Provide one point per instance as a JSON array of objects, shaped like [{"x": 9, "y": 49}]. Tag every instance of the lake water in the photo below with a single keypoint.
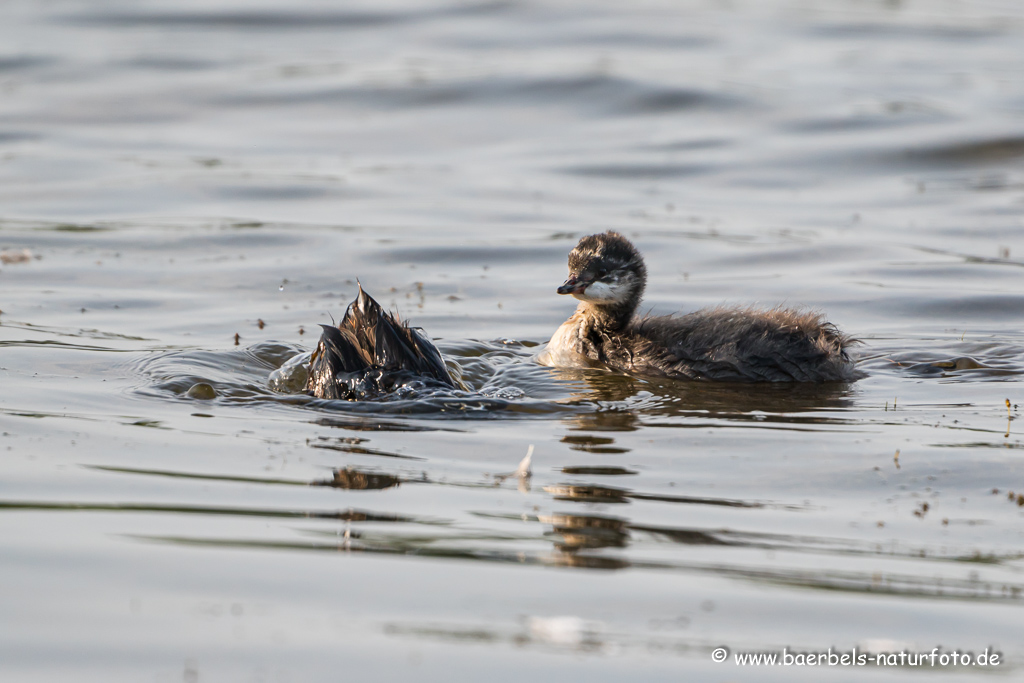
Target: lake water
[{"x": 174, "y": 174}]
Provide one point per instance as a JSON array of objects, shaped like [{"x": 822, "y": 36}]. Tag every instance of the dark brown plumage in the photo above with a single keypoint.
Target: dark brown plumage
[
  {"x": 372, "y": 354},
  {"x": 607, "y": 275}
]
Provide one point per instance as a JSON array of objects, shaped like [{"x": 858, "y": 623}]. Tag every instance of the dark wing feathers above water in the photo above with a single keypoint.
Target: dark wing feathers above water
[
  {"x": 371, "y": 353},
  {"x": 342, "y": 349}
]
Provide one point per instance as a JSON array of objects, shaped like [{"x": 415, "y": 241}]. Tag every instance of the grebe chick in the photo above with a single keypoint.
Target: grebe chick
[
  {"x": 371, "y": 354},
  {"x": 607, "y": 274}
]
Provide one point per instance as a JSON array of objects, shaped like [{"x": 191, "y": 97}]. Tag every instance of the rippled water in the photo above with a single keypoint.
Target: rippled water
[{"x": 175, "y": 174}]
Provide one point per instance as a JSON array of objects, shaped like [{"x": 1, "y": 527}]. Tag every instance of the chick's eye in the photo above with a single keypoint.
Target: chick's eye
[{"x": 602, "y": 272}]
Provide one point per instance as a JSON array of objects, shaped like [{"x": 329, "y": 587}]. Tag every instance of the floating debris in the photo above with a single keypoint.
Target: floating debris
[
  {"x": 202, "y": 391},
  {"x": 10, "y": 256},
  {"x": 524, "y": 471}
]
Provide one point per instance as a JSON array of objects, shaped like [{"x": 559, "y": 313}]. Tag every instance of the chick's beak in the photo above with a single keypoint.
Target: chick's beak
[{"x": 574, "y": 285}]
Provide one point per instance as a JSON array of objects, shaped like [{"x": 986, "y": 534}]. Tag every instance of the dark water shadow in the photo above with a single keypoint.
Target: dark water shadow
[
  {"x": 275, "y": 20},
  {"x": 878, "y": 30},
  {"x": 967, "y": 153},
  {"x": 575, "y": 541},
  {"x": 635, "y": 171},
  {"x": 371, "y": 424},
  {"x": 570, "y": 533},
  {"x": 347, "y": 515},
  {"x": 343, "y": 478},
  {"x": 592, "y": 444},
  {"x": 623, "y": 403},
  {"x": 588, "y": 94},
  {"x": 998, "y": 359},
  {"x": 573, "y": 532},
  {"x": 879, "y": 583},
  {"x": 350, "y": 445},
  {"x": 595, "y": 493},
  {"x": 610, "y": 471},
  {"x": 362, "y": 479}
]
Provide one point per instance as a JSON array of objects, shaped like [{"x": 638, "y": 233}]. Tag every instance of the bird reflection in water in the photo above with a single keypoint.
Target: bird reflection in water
[
  {"x": 619, "y": 401},
  {"x": 350, "y": 478},
  {"x": 576, "y": 536},
  {"x": 585, "y": 532}
]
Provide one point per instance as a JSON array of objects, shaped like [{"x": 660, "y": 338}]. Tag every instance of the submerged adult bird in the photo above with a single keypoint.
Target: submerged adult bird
[
  {"x": 372, "y": 353},
  {"x": 607, "y": 274}
]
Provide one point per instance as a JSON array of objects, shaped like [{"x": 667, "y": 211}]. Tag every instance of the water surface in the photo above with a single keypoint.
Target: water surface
[{"x": 175, "y": 174}]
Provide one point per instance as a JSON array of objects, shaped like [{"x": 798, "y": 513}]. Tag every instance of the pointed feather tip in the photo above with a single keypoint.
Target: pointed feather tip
[
  {"x": 524, "y": 471},
  {"x": 362, "y": 301}
]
